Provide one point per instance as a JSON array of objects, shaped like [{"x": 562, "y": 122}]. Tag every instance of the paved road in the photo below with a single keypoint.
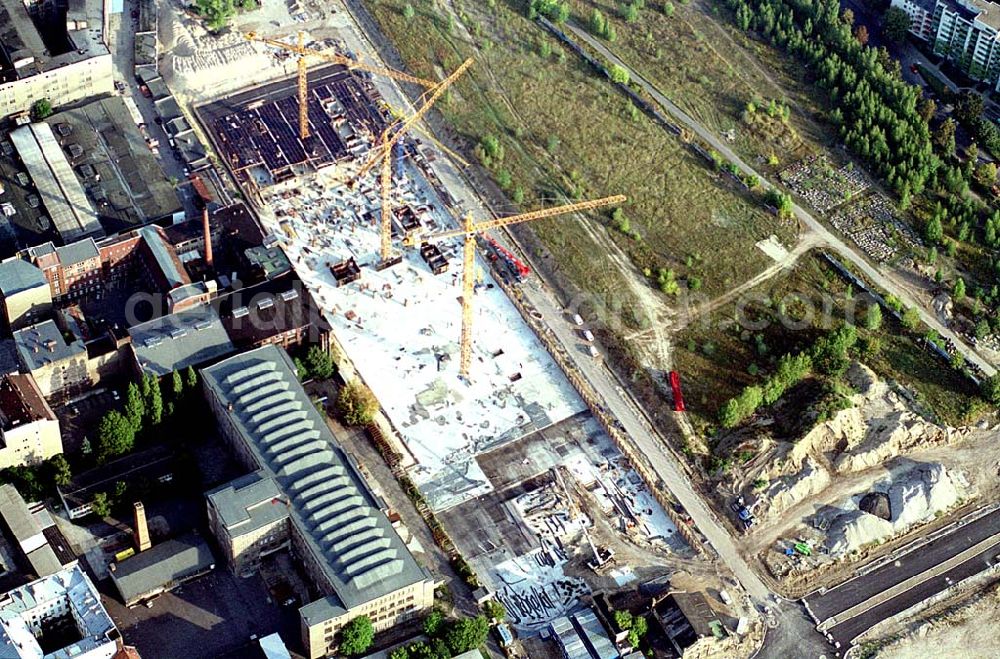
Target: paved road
[
  {"x": 829, "y": 239},
  {"x": 854, "y": 606}
]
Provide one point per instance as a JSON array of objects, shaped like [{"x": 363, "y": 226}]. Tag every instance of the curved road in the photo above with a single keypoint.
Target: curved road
[{"x": 827, "y": 237}]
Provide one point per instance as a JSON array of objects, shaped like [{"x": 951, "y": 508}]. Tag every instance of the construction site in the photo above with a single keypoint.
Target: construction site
[{"x": 415, "y": 286}]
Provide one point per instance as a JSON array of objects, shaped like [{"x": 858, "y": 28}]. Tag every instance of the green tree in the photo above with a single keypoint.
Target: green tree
[
  {"x": 895, "y": 24},
  {"x": 319, "y": 363},
  {"x": 873, "y": 317},
  {"x": 154, "y": 403},
  {"x": 618, "y": 74},
  {"x": 623, "y": 619},
  {"x": 61, "y": 472},
  {"x": 911, "y": 319},
  {"x": 135, "y": 409},
  {"x": 986, "y": 174},
  {"x": 177, "y": 384},
  {"x": 101, "y": 505},
  {"x": 115, "y": 436},
  {"x": 465, "y": 634},
  {"x": 958, "y": 290},
  {"x": 495, "y": 610},
  {"x": 598, "y": 24},
  {"x": 408, "y": 11},
  {"x": 630, "y": 13},
  {"x": 357, "y": 636},
  {"x": 300, "y": 369},
  {"x": 968, "y": 107},
  {"x": 668, "y": 8},
  {"x": 356, "y": 404},
  {"x": 400, "y": 653},
  {"x": 41, "y": 109},
  {"x": 190, "y": 378},
  {"x": 944, "y": 136},
  {"x": 215, "y": 12},
  {"x": 933, "y": 231},
  {"x": 990, "y": 388},
  {"x": 432, "y": 623}
]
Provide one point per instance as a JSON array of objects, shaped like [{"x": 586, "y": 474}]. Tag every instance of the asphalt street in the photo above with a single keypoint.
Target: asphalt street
[{"x": 923, "y": 559}]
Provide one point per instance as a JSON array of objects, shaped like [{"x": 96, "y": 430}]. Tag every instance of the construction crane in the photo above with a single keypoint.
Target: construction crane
[
  {"x": 382, "y": 151},
  {"x": 303, "y": 52},
  {"x": 469, "y": 231}
]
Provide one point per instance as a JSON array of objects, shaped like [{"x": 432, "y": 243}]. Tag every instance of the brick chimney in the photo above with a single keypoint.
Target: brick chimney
[
  {"x": 208, "y": 238},
  {"x": 141, "y": 531}
]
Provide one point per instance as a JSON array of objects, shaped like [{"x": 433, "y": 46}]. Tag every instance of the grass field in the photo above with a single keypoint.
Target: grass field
[
  {"x": 718, "y": 357},
  {"x": 712, "y": 71},
  {"x": 567, "y": 133}
]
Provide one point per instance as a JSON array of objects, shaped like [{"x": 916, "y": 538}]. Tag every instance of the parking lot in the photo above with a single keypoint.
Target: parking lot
[{"x": 213, "y": 616}]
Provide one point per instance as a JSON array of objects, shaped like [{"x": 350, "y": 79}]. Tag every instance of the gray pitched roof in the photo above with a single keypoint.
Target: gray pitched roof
[
  {"x": 186, "y": 338},
  {"x": 162, "y": 567},
  {"x": 43, "y": 344},
  {"x": 249, "y": 503},
  {"x": 17, "y": 276},
  {"x": 78, "y": 252},
  {"x": 361, "y": 554}
]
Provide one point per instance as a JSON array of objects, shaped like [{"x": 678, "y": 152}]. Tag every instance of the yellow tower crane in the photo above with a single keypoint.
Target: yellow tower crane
[
  {"x": 303, "y": 52},
  {"x": 383, "y": 152},
  {"x": 469, "y": 231}
]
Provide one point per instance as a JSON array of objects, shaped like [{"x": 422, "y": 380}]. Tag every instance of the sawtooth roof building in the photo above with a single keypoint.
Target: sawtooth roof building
[{"x": 335, "y": 522}]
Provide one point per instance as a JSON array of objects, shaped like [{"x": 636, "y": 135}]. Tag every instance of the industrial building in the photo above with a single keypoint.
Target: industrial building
[
  {"x": 29, "y": 430},
  {"x": 581, "y": 636},
  {"x": 192, "y": 337},
  {"x": 66, "y": 64},
  {"x": 59, "y": 190},
  {"x": 963, "y": 31},
  {"x": 114, "y": 161},
  {"x": 280, "y": 311},
  {"x": 161, "y": 568},
  {"x": 25, "y": 297},
  {"x": 65, "y": 601},
  {"x": 335, "y": 523}
]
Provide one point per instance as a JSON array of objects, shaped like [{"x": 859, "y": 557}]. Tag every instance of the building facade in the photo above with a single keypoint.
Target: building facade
[
  {"x": 29, "y": 430},
  {"x": 336, "y": 525},
  {"x": 963, "y": 31},
  {"x": 25, "y": 297},
  {"x": 60, "y": 368}
]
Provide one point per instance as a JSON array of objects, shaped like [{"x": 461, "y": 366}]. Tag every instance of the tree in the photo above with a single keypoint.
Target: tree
[
  {"x": 115, "y": 436},
  {"x": 623, "y": 619},
  {"x": 598, "y": 23},
  {"x": 933, "y": 231},
  {"x": 191, "y": 378},
  {"x": 944, "y": 137},
  {"x": 357, "y": 636},
  {"x": 926, "y": 109},
  {"x": 101, "y": 505},
  {"x": 300, "y": 369},
  {"x": 319, "y": 363},
  {"x": 135, "y": 409},
  {"x": 215, "y": 12},
  {"x": 911, "y": 319},
  {"x": 61, "y": 472},
  {"x": 465, "y": 634},
  {"x": 986, "y": 174},
  {"x": 495, "y": 610},
  {"x": 873, "y": 317},
  {"x": 154, "y": 403},
  {"x": 895, "y": 24},
  {"x": 408, "y": 11},
  {"x": 356, "y": 404},
  {"x": 41, "y": 109},
  {"x": 618, "y": 74},
  {"x": 630, "y": 13},
  {"x": 400, "y": 653},
  {"x": 177, "y": 384},
  {"x": 861, "y": 35},
  {"x": 990, "y": 388},
  {"x": 432, "y": 623},
  {"x": 668, "y": 8},
  {"x": 968, "y": 107},
  {"x": 958, "y": 290}
]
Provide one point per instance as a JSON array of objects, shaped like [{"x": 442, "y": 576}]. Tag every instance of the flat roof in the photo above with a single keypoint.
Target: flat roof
[
  {"x": 253, "y": 314},
  {"x": 17, "y": 276},
  {"x": 361, "y": 555},
  {"x": 78, "y": 252},
  {"x": 43, "y": 344},
  {"x": 162, "y": 567},
  {"x": 16, "y": 515},
  {"x": 126, "y": 174},
  {"x": 59, "y": 189},
  {"x": 249, "y": 503},
  {"x": 174, "y": 342}
]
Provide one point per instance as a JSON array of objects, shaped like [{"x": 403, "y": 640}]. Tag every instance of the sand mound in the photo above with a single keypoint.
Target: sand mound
[
  {"x": 787, "y": 491},
  {"x": 914, "y": 497},
  {"x": 892, "y": 435}
]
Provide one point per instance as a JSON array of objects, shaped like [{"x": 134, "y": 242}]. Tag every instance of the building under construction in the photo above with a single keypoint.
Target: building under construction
[{"x": 257, "y": 131}]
